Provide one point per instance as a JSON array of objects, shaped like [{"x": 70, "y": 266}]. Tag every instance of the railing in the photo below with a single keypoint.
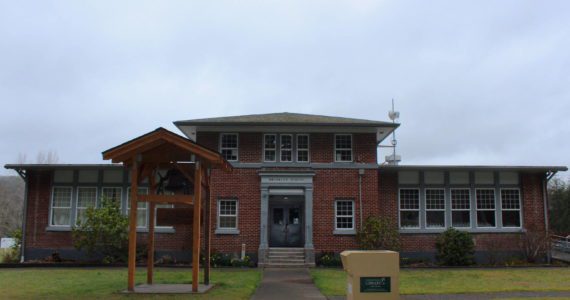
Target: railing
[{"x": 560, "y": 243}]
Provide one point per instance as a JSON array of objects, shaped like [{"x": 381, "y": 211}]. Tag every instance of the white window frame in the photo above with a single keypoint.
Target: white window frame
[
  {"x": 460, "y": 209},
  {"x": 274, "y": 149},
  {"x": 77, "y": 207},
  {"x": 477, "y": 209},
  {"x": 336, "y": 216},
  {"x": 228, "y": 148},
  {"x": 409, "y": 209},
  {"x": 308, "y": 149},
  {"x": 426, "y": 210},
  {"x": 120, "y": 194},
  {"x": 281, "y": 147},
  {"x": 128, "y": 205},
  {"x": 511, "y": 209},
  {"x": 227, "y": 215},
  {"x": 344, "y": 149},
  {"x": 51, "y": 207}
]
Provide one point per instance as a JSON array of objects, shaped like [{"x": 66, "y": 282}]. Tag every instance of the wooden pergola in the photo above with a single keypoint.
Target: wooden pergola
[{"x": 164, "y": 150}]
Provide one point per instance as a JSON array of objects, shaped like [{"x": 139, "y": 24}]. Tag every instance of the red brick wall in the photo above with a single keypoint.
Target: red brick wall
[{"x": 533, "y": 203}]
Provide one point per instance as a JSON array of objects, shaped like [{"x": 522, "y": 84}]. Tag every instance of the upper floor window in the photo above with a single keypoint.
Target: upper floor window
[
  {"x": 61, "y": 206},
  {"x": 286, "y": 147},
  {"x": 229, "y": 146},
  {"x": 302, "y": 147},
  {"x": 343, "y": 147},
  {"x": 270, "y": 147}
]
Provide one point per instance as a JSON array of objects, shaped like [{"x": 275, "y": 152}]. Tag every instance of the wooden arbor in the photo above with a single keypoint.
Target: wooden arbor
[{"x": 164, "y": 150}]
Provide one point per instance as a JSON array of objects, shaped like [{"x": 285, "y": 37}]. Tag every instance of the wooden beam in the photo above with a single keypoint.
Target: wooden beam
[
  {"x": 207, "y": 229},
  {"x": 133, "y": 225},
  {"x": 196, "y": 227},
  {"x": 151, "y": 220},
  {"x": 173, "y": 199}
]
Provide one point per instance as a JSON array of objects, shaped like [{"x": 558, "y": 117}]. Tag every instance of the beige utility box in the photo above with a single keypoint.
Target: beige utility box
[{"x": 372, "y": 274}]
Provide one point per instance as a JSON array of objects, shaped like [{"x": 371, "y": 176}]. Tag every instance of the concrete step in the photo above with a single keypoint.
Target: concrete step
[
  {"x": 286, "y": 265},
  {"x": 288, "y": 261},
  {"x": 286, "y": 256}
]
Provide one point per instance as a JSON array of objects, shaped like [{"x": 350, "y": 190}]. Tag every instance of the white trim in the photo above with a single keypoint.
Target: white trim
[
  {"x": 71, "y": 220},
  {"x": 308, "y": 148},
  {"x": 237, "y": 144},
  {"x": 407, "y": 209},
  {"x": 77, "y": 208},
  {"x": 274, "y": 149},
  {"x": 511, "y": 209},
  {"x": 281, "y": 147},
  {"x": 343, "y": 149},
  {"x": 336, "y": 216},
  {"x": 426, "y": 210},
  {"x": 227, "y": 215},
  {"x": 462, "y": 209},
  {"x": 494, "y": 210}
]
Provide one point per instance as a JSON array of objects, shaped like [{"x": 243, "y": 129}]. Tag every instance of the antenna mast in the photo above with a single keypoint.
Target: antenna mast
[{"x": 393, "y": 159}]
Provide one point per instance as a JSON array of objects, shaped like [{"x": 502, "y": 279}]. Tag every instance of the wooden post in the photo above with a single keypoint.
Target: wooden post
[
  {"x": 196, "y": 227},
  {"x": 151, "y": 220},
  {"x": 207, "y": 225},
  {"x": 133, "y": 225}
]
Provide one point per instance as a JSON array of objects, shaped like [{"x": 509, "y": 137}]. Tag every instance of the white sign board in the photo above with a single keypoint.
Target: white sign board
[{"x": 7, "y": 242}]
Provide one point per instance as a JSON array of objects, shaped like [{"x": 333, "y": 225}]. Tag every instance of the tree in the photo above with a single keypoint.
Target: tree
[
  {"x": 559, "y": 200},
  {"x": 104, "y": 231},
  {"x": 378, "y": 234}
]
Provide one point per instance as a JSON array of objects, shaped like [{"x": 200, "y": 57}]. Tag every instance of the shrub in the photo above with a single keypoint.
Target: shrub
[
  {"x": 378, "y": 234},
  {"x": 103, "y": 232},
  {"x": 455, "y": 248},
  {"x": 12, "y": 254},
  {"x": 534, "y": 244},
  {"x": 329, "y": 259}
]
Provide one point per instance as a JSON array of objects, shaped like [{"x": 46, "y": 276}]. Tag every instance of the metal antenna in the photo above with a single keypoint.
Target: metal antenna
[{"x": 393, "y": 159}]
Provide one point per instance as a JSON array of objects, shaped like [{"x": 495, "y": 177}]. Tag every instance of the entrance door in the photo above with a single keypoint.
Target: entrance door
[{"x": 286, "y": 223}]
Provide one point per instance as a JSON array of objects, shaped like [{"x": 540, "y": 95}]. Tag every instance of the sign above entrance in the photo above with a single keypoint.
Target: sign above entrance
[
  {"x": 289, "y": 179},
  {"x": 285, "y": 191}
]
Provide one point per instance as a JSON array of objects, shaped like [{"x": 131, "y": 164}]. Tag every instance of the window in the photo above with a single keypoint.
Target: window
[
  {"x": 343, "y": 147},
  {"x": 113, "y": 194},
  {"x": 227, "y": 214},
  {"x": 460, "y": 208},
  {"x": 511, "y": 207},
  {"x": 409, "y": 208},
  {"x": 303, "y": 148},
  {"x": 435, "y": 208},
  {"x": 344, "y": 214},
  {"x": 86, "y": 197},
  {"x": 485, "y": 207},
  {"x": 155, "y": 220},
  {"x": 286, "y": 147},
  {"x": 270, "y": 147},
  {"x": 61, "y": 206},
  {"x": 141, "y": 207},
  {"x": 229, "y": 146}
]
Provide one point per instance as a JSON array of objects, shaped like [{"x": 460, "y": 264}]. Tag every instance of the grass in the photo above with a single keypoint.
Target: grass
[
  {"x": 332, "y": 282},
  {"x": 107, "y": 283}
]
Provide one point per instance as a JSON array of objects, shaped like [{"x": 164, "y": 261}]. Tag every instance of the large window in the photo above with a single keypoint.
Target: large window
[
  {"x": 286, "y": 147},
  {"x": 86, "y": 197},
  {"x": 435, "y": 208},
  {"x": 302, "y": 147},
  {"x": 61, "y": 206},
  {"x": 113, "y": 194},
  {"x": 485, "y": 207},
  {"x": 229, "y": 146},
  {"x": 511, "y": 207},
  {"x": 227, "y": 214},
  {"x": 343, "y": 147},
  {"x": 344, "y": 214},
  {"x": 141, "y": 207},
  {"x": 270, "y": 147},
  {"x": 460, "y": 208},
  {"x": 409, "y": 208}
]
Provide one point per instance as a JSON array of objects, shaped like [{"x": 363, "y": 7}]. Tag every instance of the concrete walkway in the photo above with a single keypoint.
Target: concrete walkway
[{"x": 287, "y": 284}]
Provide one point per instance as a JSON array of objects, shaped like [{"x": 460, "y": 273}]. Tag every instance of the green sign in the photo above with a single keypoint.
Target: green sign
[{"x": 375, "y": 284}]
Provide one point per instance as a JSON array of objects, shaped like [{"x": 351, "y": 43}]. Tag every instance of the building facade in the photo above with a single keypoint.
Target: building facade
[{"x": 305, "y": 182}]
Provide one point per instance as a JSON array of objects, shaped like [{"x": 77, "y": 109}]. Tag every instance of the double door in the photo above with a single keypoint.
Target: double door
[{"x": 286, "y": 226}]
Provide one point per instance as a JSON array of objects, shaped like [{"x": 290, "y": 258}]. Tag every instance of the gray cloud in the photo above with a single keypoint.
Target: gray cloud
[{"x": 476, "y": 82}]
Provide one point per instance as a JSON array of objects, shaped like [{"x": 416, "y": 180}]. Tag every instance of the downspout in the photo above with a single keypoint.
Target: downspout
[
  {"x": 24, "y": 215},
  {"x": 360, "y": 174},
  {"x": 545, "y": 181}
]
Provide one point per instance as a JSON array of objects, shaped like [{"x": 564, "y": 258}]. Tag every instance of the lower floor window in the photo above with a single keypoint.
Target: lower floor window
[
  {"x": 511, "y": 207},
  {"x": 460, "y": 208},
  {"x": 227, "y": 214},
  {"x": 485, "y": 207},
  {"x": 141, "y": 207},
  {"x": 409, "y": 208},
  {"x": 344, "y": 214},
  {"x": 435, "y": 208}
]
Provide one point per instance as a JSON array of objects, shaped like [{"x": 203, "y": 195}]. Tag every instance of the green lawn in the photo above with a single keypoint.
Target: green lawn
[
  {"x": 106, "y": 283},
  {"x": 332, "y": 282}
]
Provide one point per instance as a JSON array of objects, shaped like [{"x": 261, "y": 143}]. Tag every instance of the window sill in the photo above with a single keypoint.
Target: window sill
[
  {"x": 227, "y": 231},
  {"x": 58, "y": 228},
  {"x": 470, "y": 230},
  {"x": 344, "y": 232}
]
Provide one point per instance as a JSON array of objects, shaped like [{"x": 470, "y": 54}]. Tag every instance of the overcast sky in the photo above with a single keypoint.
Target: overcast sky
[{"x": 480, "y": 82}]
